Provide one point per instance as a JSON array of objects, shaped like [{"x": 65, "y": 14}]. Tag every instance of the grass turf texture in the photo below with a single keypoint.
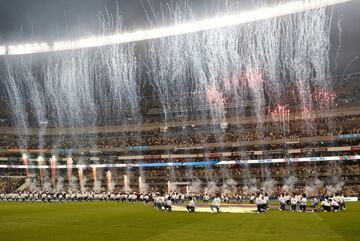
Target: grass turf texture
[{"x": 117, "y": 221}]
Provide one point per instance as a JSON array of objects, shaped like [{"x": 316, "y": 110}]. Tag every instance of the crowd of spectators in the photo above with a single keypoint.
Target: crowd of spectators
[
  {"x": 10, "y": 184},
  {"x": 321, "y": 176},
  {"x": 194, "y": 135},
  {"x": 328, "y": 173}
]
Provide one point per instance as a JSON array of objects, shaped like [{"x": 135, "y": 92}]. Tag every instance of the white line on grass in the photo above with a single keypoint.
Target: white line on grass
[{"x": 318, "y": 217}]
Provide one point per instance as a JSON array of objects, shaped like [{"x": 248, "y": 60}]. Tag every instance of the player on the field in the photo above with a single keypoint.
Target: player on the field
[
  {"x": 303, "y": 202},
  {"x": 282, "y": 202},
  {"x": 266, "y": 202},
  {"x": 146, "y": 198},
  {"x": 314, "y": 203},
  {"x": 216, "y": 204},
  {"x": 334, "y": 205},
  {"x": 191, "y": 206},
  {"x": 168, "y": 205},
  {"x": 293, "y": 202},
  {"x": 260, "y": 203},
  {"x": 206, "y": 198},
  {"x": 325, "y": 205},
  {"x": 182, "y": 198},
  {"x": 157, "y": 202},
  {"x": 287, "y": 199},
  {"x": 341, "y": 200}
]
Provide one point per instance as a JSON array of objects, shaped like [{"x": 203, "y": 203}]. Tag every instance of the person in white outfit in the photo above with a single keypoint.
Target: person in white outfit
[{"x": 216, "y": 204}]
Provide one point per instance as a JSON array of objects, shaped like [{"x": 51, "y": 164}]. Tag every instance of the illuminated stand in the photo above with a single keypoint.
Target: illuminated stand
[
  {"x": 169, "y": 164},
  {"x": 179, "y": 29}
]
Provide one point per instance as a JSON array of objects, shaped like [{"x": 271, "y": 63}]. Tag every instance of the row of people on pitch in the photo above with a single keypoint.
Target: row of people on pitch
[
  {"x": 215, "y": 205},
  {"x": 163, "y": 203},
  {"x": 58, "y": 197},
  {"x": 327, "y": 204},
  {"x": 293, "y": 201},
  {"x": 336, "y": 200},
  {"x": 73, "y": 197},
  {"x": 330, "y": 204},
  {"x": 224, "y": 198},
  {"x": 144, "y": 197}
]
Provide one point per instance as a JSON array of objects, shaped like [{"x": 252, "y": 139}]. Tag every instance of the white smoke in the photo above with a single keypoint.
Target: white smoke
[
  {"x": 47, "y": 186},
  {"x": 312, "y": 188},
  {"x": 173, "y": 187},
  {"x": 59, "y": 183},
  {"x": 33, "y": 184},
  {"x": 111, "y": 186},
  {"x": 212, "y": 188},
  {"x": 127, "y": 187},
  {"x": 250, "y": 187},
  {"x": 195, "y": 187},
  {"x": 229, "y": 187},
  {"x": 97, "y": 185},
  {"x": 144, "y": 187},
  {"x": 268, "y": 186},
  {"x": 83, "y": 184},
  {"x": 289, "y": 184},
  {"x": 333, "y": 189},
  {"x": 73, "y": 183}
]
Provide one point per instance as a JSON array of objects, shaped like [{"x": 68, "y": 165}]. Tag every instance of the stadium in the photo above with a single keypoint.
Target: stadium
[{"x": 179, "y": 120}]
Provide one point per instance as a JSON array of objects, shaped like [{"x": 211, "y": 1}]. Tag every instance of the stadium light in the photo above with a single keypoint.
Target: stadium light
[
  {"x": 27, "y": 48},
  {"x": 178, "y": 29},
  {"x": 2, "y": 50}
]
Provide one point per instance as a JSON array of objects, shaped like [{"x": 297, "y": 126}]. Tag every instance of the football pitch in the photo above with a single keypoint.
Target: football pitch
[{"x": 121, "y": 221}]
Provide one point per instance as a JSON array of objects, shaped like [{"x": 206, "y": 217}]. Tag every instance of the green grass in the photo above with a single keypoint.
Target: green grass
[{"x": 117, "y": 221}]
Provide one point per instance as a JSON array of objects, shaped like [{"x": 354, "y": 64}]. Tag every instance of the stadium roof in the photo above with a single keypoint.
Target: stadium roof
[
  {"x": 226, "y": 20},
  {"x": 46, "y": 22}
]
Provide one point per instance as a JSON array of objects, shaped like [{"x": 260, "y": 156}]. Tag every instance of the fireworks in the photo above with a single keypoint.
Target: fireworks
[
  {"x": 240, "y": 64},
  {"x": 96, "y": 183},
  {"x": 69, "y": 170},
  {"x": 280, "y": 113},
  {"x": 215, "y": 97},
  {"x": 109, "y": 179},
  {"x": 254, "y": 78},
  {"x": 81, "y": 179},
  {"x": 25, "y": 160},
  {"x": 126, "y": 183},
  {"x": 307, "y": 114},
  {"x": 40, "y": 161},
  {"x": 324, "y": 98},
  {"x": 53, "y": 170}
]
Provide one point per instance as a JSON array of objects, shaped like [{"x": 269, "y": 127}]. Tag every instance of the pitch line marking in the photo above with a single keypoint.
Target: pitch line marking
[{"x": 318, "y": 217}]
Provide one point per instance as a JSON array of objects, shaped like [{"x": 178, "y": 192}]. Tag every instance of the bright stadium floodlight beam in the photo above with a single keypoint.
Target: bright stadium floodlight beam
[{"x": 184, "y": 28}]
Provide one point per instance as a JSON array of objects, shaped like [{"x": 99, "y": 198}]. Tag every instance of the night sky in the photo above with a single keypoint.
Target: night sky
[{"x": 24, "y": 21}]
